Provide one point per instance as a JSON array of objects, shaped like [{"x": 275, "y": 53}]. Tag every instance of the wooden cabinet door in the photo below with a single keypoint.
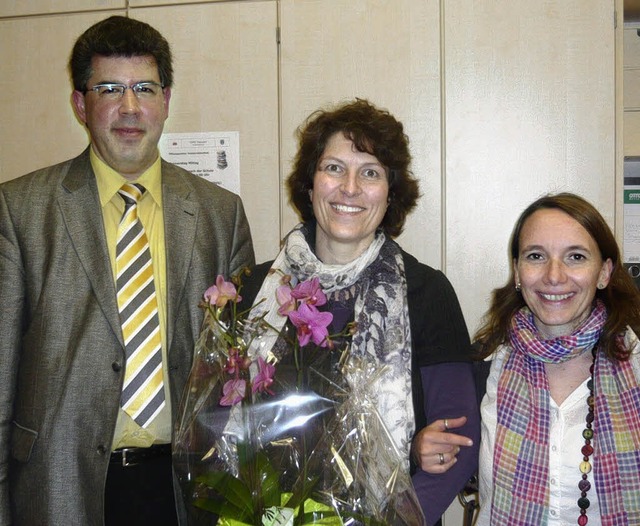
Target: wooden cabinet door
[
  {"x": 226, "y": 79},
  {"x": 39, "y": 127},
  {"x": 387, "y": 52},
  {"x": 530, "y": 109}
]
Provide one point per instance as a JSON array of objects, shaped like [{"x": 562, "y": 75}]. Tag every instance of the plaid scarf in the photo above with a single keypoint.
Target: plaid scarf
[{"x": 521, "y": 454}]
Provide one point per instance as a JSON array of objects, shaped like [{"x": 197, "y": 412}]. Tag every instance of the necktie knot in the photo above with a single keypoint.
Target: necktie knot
[{"x": 131, "y": 193}]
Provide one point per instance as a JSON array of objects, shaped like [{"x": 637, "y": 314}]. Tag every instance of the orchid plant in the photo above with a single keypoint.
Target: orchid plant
[
  {"x": 271, "y": 407},
  {"x": 279, "y": 436}
]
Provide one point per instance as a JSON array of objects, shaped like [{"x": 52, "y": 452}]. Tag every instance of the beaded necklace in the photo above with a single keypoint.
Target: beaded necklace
[{"x": 587, "y": 450}]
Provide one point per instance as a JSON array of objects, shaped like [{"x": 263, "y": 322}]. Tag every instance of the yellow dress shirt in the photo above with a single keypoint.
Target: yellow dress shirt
[{"x": 128, "y": 433}]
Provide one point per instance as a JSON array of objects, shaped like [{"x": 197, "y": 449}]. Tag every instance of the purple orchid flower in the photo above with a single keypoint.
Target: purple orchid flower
[
  {"x": 309, "y": 292},
  {"x": 311, "y": 324},
  {"x": 264, "y": 378},
  {"x": 235, "y": 362},
  {"x": 221, "y": 293},
  {"x": 285, "y": 300},
  {"x": 233, "y": 391}
]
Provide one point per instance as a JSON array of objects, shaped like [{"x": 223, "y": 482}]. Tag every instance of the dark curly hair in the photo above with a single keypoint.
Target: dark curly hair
[
  {"x": 372, "y": 130},
  {"x": 621, "y": 297},
  {"x": 119, "y": 36}
]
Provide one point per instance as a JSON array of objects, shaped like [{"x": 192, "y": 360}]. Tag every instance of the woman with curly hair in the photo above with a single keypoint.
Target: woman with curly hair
[{"x": 353, "y": 189}]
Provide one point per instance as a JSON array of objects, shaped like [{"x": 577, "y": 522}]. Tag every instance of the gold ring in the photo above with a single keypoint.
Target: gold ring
[
  {"x": 446, "y": 424},
  {"x": 441, "y": 458}
]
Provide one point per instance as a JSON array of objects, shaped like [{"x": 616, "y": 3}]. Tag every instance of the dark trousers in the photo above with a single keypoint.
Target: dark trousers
[{"x": 141, "y": 494}]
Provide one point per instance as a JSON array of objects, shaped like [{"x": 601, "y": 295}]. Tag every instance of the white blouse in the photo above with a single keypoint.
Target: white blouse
[{"x": 565, "y": 444}]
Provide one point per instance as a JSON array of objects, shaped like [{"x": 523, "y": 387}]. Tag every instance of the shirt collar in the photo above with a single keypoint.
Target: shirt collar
[{"x": 109, "y": 181}]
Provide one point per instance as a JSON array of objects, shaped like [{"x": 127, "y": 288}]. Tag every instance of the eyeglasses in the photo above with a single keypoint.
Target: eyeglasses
[{"x": 142, "y": 90}]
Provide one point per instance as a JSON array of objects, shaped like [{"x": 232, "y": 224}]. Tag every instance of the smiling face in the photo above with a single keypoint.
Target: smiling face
[
  {"x": 349, "y": 198},
  {"x": 559, "y": 268},
  {"x": 124, "y": 132}
]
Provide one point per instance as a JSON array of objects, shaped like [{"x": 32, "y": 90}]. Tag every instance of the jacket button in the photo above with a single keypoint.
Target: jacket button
[
  {"x": 102, "y": 450},
  {"x": 116, "y": 366}
]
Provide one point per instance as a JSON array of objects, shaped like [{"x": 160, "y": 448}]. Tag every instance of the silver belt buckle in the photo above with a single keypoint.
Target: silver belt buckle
[{"x": 125, "y": 462}]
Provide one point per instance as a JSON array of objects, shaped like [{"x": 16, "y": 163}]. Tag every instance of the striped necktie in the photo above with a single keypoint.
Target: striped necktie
[{"x": 143, "y": 391}]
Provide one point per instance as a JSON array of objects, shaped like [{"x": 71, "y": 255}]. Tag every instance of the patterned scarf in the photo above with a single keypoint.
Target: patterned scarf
[
  {"x": 521, "y": 454},
  {"x": 381, "y": 312}
]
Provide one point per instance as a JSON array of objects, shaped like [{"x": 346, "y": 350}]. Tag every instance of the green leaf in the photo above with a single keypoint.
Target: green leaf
[
  {"x": 302, "y": 491},
  {"x": 270, "y": 481},
  {"x": 235, "y": 491},
  {"x": 223, "y": 508}
]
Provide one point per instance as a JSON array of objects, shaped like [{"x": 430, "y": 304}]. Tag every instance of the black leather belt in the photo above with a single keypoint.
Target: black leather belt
[{"x": 131, "y": 456}]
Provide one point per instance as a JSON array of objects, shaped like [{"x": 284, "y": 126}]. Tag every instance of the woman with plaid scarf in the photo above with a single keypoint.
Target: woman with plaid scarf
[{"x": 561, "y": 415}]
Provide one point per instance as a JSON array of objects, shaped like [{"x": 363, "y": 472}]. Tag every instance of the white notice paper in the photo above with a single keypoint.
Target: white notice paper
[{"x": 214, "y": 156}]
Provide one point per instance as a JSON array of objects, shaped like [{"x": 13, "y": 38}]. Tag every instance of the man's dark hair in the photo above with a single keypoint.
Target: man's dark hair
[{"x": 119, "y": 36}]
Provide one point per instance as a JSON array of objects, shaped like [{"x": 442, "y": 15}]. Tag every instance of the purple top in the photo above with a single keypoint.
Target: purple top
[{"x": 449, "y": 392}]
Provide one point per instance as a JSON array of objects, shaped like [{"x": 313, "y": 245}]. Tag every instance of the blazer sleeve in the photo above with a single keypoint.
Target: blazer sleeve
[
  {"x": 242, "y": 249},
  {"x": 12, "y": 300}
]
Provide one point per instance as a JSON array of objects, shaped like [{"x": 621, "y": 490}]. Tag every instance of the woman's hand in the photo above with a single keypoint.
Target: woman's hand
[{"x": 435, "y": 447}]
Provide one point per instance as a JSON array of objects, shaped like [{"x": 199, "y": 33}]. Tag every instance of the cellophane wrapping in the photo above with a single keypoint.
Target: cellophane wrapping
[{"x": 314, "y": 452}]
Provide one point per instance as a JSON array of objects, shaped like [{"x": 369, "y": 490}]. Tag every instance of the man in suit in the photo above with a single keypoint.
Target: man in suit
[{"x": 90, "y": 379}]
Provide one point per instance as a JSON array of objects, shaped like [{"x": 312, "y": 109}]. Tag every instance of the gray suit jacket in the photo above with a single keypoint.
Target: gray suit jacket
[{"x": 61, "y": 348}]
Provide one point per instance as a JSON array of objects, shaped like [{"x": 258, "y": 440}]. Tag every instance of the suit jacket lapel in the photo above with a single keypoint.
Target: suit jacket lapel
[
  {"x": 80, "y": 207},
  {"x": 180, "y": 220}
]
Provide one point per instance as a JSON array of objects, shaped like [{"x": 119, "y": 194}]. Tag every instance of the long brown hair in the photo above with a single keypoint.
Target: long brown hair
[{"x": 621, "y": 297}]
